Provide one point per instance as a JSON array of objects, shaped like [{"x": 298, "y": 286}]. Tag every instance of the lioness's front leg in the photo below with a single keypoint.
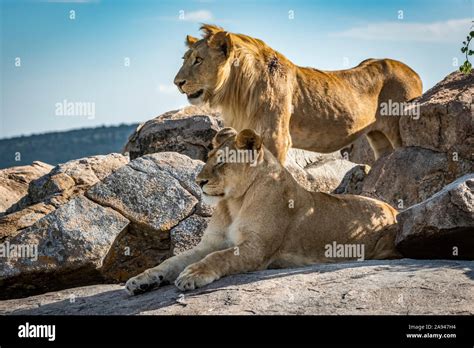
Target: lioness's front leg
[
  {"x": 240, "y": 259},
  {"x": 168, "y": 270}
]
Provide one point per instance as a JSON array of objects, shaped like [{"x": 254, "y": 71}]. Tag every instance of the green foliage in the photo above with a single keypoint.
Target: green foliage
[{"x": 466, "y": 67}]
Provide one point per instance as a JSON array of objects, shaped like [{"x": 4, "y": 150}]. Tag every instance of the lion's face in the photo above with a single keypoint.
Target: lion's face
[
  {"x": 203, "y": 66},
  {"x": 232, "y": 163}
]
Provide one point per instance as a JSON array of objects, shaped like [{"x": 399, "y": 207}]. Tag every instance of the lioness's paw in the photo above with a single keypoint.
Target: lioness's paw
[
  {"x": 144, "y": 282},
  {"x": 194, "y": 276}
]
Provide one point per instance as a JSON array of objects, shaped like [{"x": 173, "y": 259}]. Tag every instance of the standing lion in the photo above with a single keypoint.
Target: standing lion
[{"x": 257, "y": 87}]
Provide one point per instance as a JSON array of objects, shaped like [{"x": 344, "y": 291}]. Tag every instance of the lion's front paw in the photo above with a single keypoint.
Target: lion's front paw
[
  {"x": 195, "y": 276},
  {"x": 144, "y": 282}
]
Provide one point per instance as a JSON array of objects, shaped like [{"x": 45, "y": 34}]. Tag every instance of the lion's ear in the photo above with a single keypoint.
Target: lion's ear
[
  {"x": 222, "y": 136},
  {"x": 209, "y": 30},
  {"x": 190, "y": 40},
  {"x": 248, "y": 139},
  {"x": 221, "y": 42}
]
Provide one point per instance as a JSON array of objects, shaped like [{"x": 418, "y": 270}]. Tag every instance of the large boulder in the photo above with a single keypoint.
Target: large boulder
[
  {"x": 158, "y": 194},
  {"x": 14, "y": 182},
  {"x": 375, "y": 287},
  {"x": 441, "y": 226},
  {"x": 55, "y": 188},
  {"x": 188, "y": 131},
  {"x": 410, "y": 175},
  {"x": 445, "y": 120},
  {"x": 63, "y": 249}
]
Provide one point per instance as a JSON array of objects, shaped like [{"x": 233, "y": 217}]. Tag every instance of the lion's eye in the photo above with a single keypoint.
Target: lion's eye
[{"x": 197, "y": 60}]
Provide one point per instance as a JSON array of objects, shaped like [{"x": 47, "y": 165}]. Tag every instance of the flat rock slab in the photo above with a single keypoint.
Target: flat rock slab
[{"x": 372, "y": 287}]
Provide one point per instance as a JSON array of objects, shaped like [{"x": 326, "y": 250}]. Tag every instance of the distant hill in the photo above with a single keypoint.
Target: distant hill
[{"x": 59, "y": 147}]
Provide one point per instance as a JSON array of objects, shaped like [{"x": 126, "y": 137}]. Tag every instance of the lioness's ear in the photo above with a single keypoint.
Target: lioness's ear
[
  {"x": 190, "y": 40},
  {"x": 248, "y": 140},
  {"x": 222, "y": 135},
  {"x": 221, "y": 41}
]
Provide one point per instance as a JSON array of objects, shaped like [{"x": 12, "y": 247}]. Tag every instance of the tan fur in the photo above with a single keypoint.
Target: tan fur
[
  {"x": 264, "y": 219},
  {"x": 257, "y": 87}
]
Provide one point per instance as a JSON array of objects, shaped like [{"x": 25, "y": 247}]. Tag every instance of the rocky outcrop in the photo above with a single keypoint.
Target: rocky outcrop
[
  {"x": 441, "y": 227},
  {"x": 446, "y": 118},
  {"x": 395, "y": 287},
  {"x": 105, "y": 219},
  {"x": 14, "y": 182},
  {"x": 126, "y": 222},
  {"x": 188, "y": 131},
  {"x": 410, "y": 175}
]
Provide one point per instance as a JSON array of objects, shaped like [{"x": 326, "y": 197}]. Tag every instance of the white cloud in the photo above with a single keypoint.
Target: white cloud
[
  {"x": 197, "y": 16},
  {"x": 443, "y": 31}
]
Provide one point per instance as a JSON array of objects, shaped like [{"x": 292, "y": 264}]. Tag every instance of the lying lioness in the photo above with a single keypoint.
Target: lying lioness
[{"x": 264, "y": 218}]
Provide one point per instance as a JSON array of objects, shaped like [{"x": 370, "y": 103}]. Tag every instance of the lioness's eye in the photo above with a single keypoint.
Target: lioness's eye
[{"x": 197, "y": 61}]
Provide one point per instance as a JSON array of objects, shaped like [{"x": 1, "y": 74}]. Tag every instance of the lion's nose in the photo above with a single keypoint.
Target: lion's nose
[
  {"x": 180, "y": 84},
  {"x": 202, "y": 182}
]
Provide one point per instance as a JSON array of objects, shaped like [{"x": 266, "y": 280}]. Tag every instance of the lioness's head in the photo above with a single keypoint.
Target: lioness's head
[
  {"x": 232, "y": 164},
  {"x": 205, "y": 64}
]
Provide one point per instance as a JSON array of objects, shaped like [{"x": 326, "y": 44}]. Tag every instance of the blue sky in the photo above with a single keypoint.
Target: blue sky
[{"x": 82, "y": 60}]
